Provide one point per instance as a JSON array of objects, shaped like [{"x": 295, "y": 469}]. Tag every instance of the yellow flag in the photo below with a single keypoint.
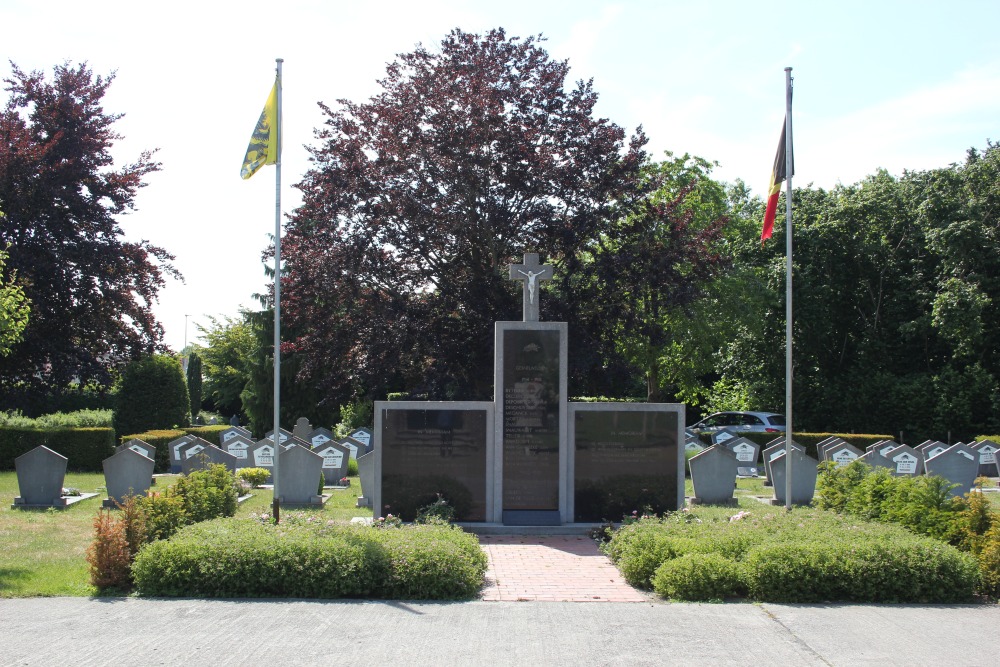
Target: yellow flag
[{"x": 263, "y": 148}]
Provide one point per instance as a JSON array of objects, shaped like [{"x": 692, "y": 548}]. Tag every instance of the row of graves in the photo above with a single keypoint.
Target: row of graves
[
  {"x": 307, "y": 454},
  {"x": 715, "y": 469},
  {"x": 529, "y": 457}
]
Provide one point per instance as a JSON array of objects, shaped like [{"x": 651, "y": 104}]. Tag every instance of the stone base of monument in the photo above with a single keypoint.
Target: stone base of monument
[
  {"x": 60, "y": 503},
  {"x": 532, "y": 518},
  {"x": 363, "y": 502},
  {"x": 497, "y": 529},
  {"x": 729, "y": 502},
  {"x": 314, "y": 501}
]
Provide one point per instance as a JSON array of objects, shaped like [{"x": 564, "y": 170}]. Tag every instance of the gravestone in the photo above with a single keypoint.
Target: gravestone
[
  {"x": 428, "y": 449},
  {"x": 366, "y": 478},
  {"x": 905, "y": 461},
  {"x": 693, "y": 445},
  {"x": 772, "y": 452},
  {"x": 127, "y": 472},
  {"x": 283, "y": 435},
  {"x": 303, "y": 429},
  {"x": 824, "y": 446},
  {"x": 987, "y": 451},
  {"x": 261, "y": 455},
  {"x": 193, "y": 448},
  {"x": 625, "y": 459},
  {"x": 747, "y": 451},
  {"x": 140, "y": 446},
  {"x": 931, "y": 448},
  {"x": 298, "y": 477},
  {"x": 364, "y": 436},
  {"x": 842, "y": 453},
  {"x": 40, "y": 476},
  {"x": 232, "y": 432},
  {"x": 207, "y": 456},
  {"x": 174, "y": 447},
  {"x": 873, "y": 455},
  {"x": 713, "y": 476},
  {"x": 959, "y": 464},
  {"x": 719, "y": 437},
  {"x": 335, "y": 458},
  {"x": 239, "y": 447},
  {"x": 804, "y": 473},
  {"x": 320, "y": 437}
]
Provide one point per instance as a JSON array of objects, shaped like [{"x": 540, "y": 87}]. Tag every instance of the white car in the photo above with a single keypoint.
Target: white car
[{"x": 741, "y": 422}]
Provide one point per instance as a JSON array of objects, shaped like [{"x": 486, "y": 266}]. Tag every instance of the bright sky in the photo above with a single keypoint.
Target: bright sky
[{"x": 878, "y": 84}]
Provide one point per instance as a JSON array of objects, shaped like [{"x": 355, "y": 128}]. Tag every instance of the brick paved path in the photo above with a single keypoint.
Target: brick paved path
[{"x": 553, "y": 569}]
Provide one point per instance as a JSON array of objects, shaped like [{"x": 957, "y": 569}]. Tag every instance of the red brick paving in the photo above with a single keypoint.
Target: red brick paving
[{"x": 552, "y": 569}]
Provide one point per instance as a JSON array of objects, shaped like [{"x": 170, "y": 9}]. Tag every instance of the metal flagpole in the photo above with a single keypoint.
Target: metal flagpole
[
  {"x": 788, "y": 288},
  {"x": 276, "y": 442}
]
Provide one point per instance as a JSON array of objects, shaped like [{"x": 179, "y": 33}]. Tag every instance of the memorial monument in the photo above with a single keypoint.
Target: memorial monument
[{"x": 529, "y": 457}]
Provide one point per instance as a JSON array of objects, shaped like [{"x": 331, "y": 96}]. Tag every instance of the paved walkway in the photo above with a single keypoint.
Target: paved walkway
[{"x": 552, "y": 569}]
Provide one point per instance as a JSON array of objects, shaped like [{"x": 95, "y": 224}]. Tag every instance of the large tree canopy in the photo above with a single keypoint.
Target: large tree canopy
[
  {"x": 90, "y": 290},
  {"x": 420, "y": 198}
]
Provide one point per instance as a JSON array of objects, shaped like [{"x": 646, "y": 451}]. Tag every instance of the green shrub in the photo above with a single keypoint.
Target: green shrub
[
  {"x": 59, "y": 420},
  {"x": 352, "y": 468},
  {"x": 253, "y": 476},
  {"x": 207, "y": 494},
  {"x": 309, "y": 558},
  {"x": 164, "y": 514},
  {"x": 438, "y": 511},
  {"x": 152, "y": 394},
  {"x": 86, "y": 448},
  {"x": 639, "y": 549},
  {"x": 699, "y": 577},
  {"x": 193, "y": 378},
  {"x": 835, "y": 484},
  {"x": 989, "y": 561}
]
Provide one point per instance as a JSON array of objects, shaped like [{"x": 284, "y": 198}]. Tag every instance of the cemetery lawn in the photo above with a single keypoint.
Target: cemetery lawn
[{"x": 43, "y": 552}]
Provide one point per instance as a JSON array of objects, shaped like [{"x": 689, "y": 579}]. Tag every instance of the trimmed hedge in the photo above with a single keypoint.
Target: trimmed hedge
[
  {"x": 305, "y": 557},
  {"x": 806, "y": 555},
  {"x": 160, "y": 440},
  {"x": 86, "y": 448}
]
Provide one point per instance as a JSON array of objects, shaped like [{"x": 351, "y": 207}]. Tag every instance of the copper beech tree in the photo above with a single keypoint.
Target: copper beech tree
[
  {"x": 90, "y": 290},
  {"x": 419, "y": 198}
]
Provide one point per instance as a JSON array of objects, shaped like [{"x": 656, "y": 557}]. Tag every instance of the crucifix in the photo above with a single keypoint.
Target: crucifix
[{"x": 529, "y": 274}]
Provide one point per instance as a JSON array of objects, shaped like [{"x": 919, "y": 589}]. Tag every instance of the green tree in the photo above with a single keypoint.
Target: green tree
[
  {"x": 226, "y": 360},
  {"x": 152, "y": 394},
  {"x": 14, "y": 308},
  {"x": 194, "y": 381},
  {"x": 91, "y": 290}
]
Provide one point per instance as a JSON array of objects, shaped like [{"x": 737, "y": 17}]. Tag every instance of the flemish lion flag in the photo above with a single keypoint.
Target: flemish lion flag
[
  {"x": 778, "y": 176},
  {"x": 263, "y": 148}
]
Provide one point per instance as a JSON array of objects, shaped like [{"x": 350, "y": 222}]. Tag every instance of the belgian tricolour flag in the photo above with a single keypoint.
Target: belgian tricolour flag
[{"x": 778, "y": 175}]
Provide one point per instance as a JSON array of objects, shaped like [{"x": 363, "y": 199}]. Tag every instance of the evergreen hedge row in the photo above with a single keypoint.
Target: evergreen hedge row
[{"x": 86, "y": 448}]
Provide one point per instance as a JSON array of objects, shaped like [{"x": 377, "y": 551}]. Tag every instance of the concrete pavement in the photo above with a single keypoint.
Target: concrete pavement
[{"x": 122, "y": 632}]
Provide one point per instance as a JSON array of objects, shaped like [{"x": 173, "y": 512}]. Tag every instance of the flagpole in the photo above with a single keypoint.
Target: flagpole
[
  {"x": 276, "y": 504},
  {"x": 789, "y": 169}
]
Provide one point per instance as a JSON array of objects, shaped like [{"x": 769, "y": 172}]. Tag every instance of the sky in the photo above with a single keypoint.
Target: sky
[{"x": 878, "y": 85}]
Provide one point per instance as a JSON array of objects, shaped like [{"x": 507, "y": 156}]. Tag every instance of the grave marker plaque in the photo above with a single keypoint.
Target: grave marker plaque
[
  {"x": 626, "y": 458},
  {"x": 987, "y": 452},
  {"x": 426, "y": 449},
  {"x": 335, "y": 458}
]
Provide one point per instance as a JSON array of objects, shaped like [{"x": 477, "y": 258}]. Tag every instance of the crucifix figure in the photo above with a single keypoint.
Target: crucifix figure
[{"x": 529, "y": 274}]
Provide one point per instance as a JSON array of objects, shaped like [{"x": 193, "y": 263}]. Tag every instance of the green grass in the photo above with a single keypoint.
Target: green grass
[{"x": 43, "y": 552}]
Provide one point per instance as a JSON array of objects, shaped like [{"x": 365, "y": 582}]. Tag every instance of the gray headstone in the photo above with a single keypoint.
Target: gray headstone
[
  {"x": 239, "y": 447},
  {"x": 128, "y": 472},
  {"x": 842, "y": 453},
  {"x": 174, "y": 447},
  {"x": 959, "y": 464},
  {"x": 713, "y": 475},
  {"x": 931, "y": 448},
  {"x": 987, "y": 451},
  {"x": 283, "y": 435},
  {"x": 746, "y": 451},
  {"x": 804, "y": 473},
  {"x": 722, "y": 436},
  {"x": 693, "y": 445},
  {"x": 772, "y": 452},
  {"x": 40, "y": 476},
  {"x": 207, "y": 456},
  {"x": 320, "y": 437},
  {"x": 335, "y": 458},
  {"x": 140, "y": 446},
  {"x": 366, "y": 476},
  {"x": 261, "y": 455},
  {"x": 356, "y": 448},
  {"x": 823, "y": 447},
  {"x": 364, "y": 436},
  {"x": 298, "y": 476},
  {"x": 232, "y": 432},
  {"x": 302, "y": 429},
  {"x": 904, "y": 461}
]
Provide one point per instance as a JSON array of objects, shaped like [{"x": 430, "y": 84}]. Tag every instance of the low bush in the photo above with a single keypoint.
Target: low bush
[
  {"x": 164, "y": 515},
  {"x": 699, "y": 577},
  {"x": 803, "y": 555},
  {"x": 58, "y": 420},
  {"x": 309, "y": 558},
  {"x": 207, "y": 494},
  {"x": 108, "y": 555},
  {"x": 253, "y": 476}
]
